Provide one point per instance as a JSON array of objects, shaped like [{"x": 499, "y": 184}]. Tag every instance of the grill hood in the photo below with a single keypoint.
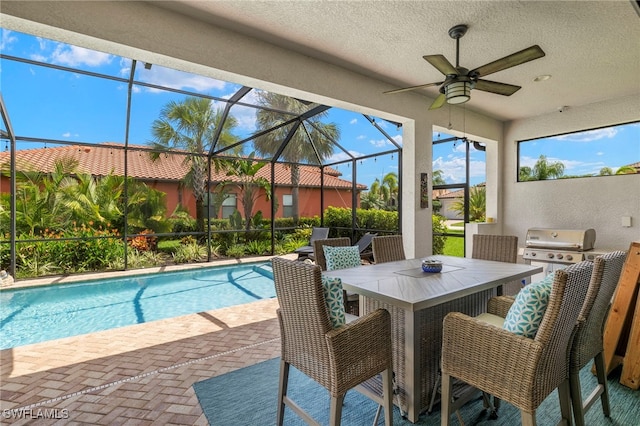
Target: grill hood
[{"x": 564, "y": 239}]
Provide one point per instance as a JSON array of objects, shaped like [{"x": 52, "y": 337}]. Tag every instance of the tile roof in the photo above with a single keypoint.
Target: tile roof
[
  {"x": 103, "y": 159},
  {"x": 459, "y": 193}
]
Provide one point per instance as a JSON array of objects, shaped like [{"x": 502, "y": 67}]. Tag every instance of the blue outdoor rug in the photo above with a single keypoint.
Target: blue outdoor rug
[{"x": 248, "y": 397}]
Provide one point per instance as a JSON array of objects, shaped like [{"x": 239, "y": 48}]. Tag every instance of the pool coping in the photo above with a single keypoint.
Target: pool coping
[{"x": 66, "y": 279}]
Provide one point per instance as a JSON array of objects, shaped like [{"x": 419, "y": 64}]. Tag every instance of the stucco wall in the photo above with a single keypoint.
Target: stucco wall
[{"x": 596, "y": 203}]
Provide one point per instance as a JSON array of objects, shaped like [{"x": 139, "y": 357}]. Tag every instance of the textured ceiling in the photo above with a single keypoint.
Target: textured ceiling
[{"x": 592, "y": 48}]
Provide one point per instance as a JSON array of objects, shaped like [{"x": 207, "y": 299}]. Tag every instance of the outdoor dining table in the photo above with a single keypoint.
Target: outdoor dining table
[{"x": 418, "y": 302}]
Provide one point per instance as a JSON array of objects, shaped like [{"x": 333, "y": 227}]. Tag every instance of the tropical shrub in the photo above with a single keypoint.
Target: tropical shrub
[
  {"x": 236, "y": 250},
  {"x": 190, "y": 252},
  {"x": 439, "y": 227},
  {"x": 78, "y": 249},
  {"x": 258, "y": 247},
  {"x": 338, "y": 217}
]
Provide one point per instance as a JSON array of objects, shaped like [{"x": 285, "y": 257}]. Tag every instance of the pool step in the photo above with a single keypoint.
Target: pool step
[{"x": 264, "y": 270}]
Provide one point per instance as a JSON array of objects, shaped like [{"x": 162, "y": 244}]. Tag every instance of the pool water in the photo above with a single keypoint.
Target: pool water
[{"x": 38, "y": 314}]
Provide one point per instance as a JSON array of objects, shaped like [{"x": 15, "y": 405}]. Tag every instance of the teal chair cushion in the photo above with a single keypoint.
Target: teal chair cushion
[
  {"x": 530, "y": 304},
  {"x": 341, "y": 257},
  {"x": 333, "y": 298}
]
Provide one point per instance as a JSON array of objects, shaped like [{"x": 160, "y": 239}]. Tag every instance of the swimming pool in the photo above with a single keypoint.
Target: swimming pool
[{"x": 38, "y": 314}]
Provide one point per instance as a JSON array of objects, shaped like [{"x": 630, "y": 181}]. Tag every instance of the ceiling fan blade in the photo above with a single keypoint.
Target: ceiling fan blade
[
  {"x": 441, "y": 64},
  {"x": 405, "y": 89},
  {"x": 525, "y": 55},
  {"x": 497, "y": 88},
  {"x": 440, "y": 100}
]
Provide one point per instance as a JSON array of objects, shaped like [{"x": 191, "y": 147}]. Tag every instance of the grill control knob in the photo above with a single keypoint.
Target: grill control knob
[
  {"x": 559, "y": 256},
  {"x": 533, "y": 253},
  {"x": 550, "y": 255},
  {"x": 569, "y": 257}
]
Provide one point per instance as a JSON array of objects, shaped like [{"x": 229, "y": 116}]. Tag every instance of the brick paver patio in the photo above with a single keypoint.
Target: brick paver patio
[{"x": 138, "y": 375}]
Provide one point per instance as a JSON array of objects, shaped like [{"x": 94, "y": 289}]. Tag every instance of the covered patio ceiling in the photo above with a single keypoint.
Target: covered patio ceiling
[{"x": 592, "y": 47}]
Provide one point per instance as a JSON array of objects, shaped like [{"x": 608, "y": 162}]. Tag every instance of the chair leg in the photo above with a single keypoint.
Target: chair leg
[
  {"x": 565, "y": 401},
  {"x": 576, "y": 397},
  {"x": 602, "y": 381},
  {"x": 387, "y": 386},
  {"x": 336, "y": 410},
  {"x": 436, "y": 389},
  {"x": 445, "y": 401},
  {"x": 282, "y": 391},
  {"x": 528, "y": 419}
]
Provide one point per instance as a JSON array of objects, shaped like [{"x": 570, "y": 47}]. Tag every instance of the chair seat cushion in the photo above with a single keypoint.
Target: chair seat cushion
[
  {"x": 495, "y": 320},
  {"x": 341, "y": 257},
  {"x": 333, "y": 298},
  {"x": 526, "y": 313}
]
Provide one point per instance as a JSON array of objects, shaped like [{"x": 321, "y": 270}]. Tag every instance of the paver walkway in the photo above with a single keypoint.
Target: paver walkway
[{"x": 138, "y": 375}]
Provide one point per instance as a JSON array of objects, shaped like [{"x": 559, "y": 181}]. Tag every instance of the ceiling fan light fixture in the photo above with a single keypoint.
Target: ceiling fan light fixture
[{"x": 458, "y": 92}]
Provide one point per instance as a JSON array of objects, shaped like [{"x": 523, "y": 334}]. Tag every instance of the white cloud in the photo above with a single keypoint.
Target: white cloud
[
  {"x": 69, "y": 135},
  {"x": 180, "y": 80},
  {"x": 38, "y": 58},
  {"x": 74, "y": 56},
  {"x": 341, "y": 156},
  {"x": 454, "y": 168},
  {"x": 588, "y": 136},
  {"x": 599, "y": 153},
  {"x": 7, "y": 39},
  {"x": 245, "y": 116},
  {"x": 379, "y": 143},
  {"x": 353, "y": 121},
  {"x": 360, "y": 137}
]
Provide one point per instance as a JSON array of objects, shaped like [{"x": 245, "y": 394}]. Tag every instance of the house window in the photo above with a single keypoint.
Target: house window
[
  {"x": 229, "y": 205},
  {"x": 604, "y": 151},
  {"x": 287, "y": 205}
]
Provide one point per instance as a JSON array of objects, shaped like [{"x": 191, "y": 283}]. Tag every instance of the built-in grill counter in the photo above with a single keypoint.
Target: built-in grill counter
[{"x": 554, "y": 248}]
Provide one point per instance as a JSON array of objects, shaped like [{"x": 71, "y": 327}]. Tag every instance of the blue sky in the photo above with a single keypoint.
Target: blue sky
[{"x": 52, "y": 104}]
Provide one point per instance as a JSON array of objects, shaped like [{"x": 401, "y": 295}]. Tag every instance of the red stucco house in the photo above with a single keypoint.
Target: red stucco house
[{"x": 166, "y": 173}]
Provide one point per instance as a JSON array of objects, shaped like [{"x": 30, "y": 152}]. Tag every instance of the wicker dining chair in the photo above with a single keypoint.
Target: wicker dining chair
[
  {"x": 340, "y": 358},
  {"x": 388, "y": 248},
  {"x": 520, "y": 370},
  {"x": 499, "y": 248},
  {"x": 318, "y": 252},
  {"x": 588, "y": 340},
  {"x": 351, "y": 300}
]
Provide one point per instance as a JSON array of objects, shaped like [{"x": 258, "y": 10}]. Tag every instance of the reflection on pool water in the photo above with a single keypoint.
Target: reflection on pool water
[{"x": 38, "y": 314}]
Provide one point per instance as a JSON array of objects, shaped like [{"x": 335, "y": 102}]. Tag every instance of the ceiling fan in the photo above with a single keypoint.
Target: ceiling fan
[{"x": 458, "y": 82}]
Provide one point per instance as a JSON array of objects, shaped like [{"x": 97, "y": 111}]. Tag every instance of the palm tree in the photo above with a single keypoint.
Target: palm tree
[
  {"x": 247, "y": 183},
  {"x": 372, "y": 199},
  {"x": 300, "y": 149},
  {"x": 92, "y": 201},
  {"x": 390, "y": 181},
  {"x": 477, "y": 204},
  {"x": 38, "y": 201},
  {"x": 191, "y": 125},
  {"x": 437, "y": 177},
  {"x": 542, "y": 170}
]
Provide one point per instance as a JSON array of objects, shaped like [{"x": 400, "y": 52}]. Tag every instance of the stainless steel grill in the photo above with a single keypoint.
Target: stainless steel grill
[
  {"x": 563, "y": 246},
  {"x": 554, "y": 249}
]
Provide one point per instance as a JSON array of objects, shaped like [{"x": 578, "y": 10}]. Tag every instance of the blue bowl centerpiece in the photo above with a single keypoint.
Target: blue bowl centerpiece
[{"x": 431, "y": 265}]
